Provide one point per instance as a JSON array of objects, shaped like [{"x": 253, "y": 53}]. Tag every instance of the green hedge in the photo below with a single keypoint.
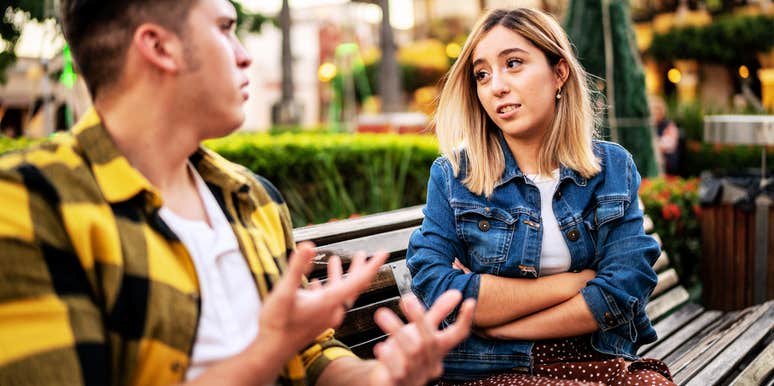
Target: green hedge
[
  {"x": 723, "y": 159},
  {"x": 329, "y": 176},
  {"x": 732, "y": 40}
]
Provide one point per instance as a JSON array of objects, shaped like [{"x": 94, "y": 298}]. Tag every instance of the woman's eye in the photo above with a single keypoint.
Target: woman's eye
[
  {"x": 480, "y": 75},
  {"x": 511, "y": 63}
]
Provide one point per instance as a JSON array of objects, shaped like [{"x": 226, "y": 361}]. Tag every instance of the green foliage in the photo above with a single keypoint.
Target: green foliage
[
  {"x": 723, "y": 159},
  {"x": 673, "y": 205},
  {"x": 8, "y": 144},
  {"x": 11, "y": 27},
  {"x": 731, "y": 40},
  {"x": 689, "y": 117},
  {"x": 328, "y": 176}
]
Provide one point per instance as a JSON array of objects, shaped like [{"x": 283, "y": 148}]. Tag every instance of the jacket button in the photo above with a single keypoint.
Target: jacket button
[
  {"x": 176, "y": 367},
  {"x": 609, "y": 319},
  {"x": 573, "y": 235},
  {"x": 558, "y": 195},
  {"x": 484, "y": 225}
]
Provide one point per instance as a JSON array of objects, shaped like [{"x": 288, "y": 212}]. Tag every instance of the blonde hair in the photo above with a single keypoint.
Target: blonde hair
[{"x": 461, "y": 121}]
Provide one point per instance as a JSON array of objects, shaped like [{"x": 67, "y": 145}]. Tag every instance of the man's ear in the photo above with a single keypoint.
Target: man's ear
[
  {"x": 159, "y": 47},
  {"x": 561, "y": 72}
]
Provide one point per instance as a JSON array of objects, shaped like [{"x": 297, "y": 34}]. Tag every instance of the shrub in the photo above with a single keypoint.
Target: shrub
[
  {"x": 722, "y": 159},
  {"x": 327, "y": 176},
  {"x": 731, "y": 40},
  {"x": 673, "y": 205}
]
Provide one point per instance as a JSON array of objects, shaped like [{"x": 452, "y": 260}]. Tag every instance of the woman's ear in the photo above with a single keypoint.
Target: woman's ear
[
  {"x": 159, "y": 47},
  {"x": 561, "y": 73}
]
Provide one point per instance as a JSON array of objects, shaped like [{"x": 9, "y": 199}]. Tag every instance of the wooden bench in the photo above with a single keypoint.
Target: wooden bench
[{"x": 701, "y": 347}]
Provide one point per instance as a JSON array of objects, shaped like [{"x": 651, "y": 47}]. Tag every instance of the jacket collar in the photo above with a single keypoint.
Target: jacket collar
[{"x": 512, "y": 169}]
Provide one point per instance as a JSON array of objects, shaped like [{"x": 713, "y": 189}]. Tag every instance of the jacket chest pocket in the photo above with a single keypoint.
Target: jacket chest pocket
[
  {"x": 603, "y": 213},
  {"x": 487, "y": 233}
]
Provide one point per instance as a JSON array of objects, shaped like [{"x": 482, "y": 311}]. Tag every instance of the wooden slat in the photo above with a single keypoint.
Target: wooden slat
[
  {"x": 359, "y": 326},
  {"x": 359, "y": 227},
  {"x": 671, "y": 324},
  {"x": 365, "y": 350},
  {"x": 758, "y": 369},
  {"x": 724, "y": 363},
  {"x": 382, "y": 287},
  {"x": 661, "y": 305},
  {"x": 678, "y": 339},
  {"x": 647, "y": 224},
  {"x": 666, "y": 280},
  {"x": 393, "y": 242},
  {"x": 658, "y": 239},
  {"x": 686, "y": 351},
  {"x": 714, "y": 343},
  {"x": 662, "y": 263}
]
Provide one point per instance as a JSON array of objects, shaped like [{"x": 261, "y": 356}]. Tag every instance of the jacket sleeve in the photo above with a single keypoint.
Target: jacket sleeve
[
  {"x": 434, "y": 246},
  {"x": 624, "y": 257}
]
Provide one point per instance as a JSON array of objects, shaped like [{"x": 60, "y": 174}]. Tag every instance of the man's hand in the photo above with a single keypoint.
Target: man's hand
[
  {"x": 413, "y": 353},
  {"x": 292, "y": 317}
]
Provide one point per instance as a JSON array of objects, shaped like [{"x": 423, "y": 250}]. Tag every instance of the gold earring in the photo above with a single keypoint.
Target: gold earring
[{"x": 559, "y": 94}]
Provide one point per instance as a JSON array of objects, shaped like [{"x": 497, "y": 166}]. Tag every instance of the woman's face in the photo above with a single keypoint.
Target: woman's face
[{"x": 515, "y": 83}]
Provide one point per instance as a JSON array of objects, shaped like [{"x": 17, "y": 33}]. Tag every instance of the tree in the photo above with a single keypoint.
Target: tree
[{"x": 608, "y": 51}]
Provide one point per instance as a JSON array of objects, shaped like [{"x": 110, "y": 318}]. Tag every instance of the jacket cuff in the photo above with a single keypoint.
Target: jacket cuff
[{"x": 604, "y": 308}]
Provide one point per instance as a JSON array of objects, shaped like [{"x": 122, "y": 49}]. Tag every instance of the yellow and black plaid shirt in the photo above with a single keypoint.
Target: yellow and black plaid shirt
[{"x": 95, "y": 289}]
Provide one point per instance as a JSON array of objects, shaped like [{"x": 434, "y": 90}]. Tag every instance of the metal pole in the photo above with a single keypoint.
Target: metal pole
[
  {"x": 389, "y": 77},
  {"x": 287, "y": 55}
]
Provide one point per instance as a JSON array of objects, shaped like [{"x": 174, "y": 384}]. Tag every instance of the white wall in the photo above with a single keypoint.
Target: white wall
[{"x": 266, "y": 73}]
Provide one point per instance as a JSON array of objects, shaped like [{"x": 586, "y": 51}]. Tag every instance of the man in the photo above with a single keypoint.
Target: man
[{"x": 131, "y": 255}]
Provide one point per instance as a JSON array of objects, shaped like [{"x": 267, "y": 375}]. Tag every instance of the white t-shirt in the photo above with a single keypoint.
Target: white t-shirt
[
  {"x": 554, "y": 255},
  {"x": 229, "y": 298}
]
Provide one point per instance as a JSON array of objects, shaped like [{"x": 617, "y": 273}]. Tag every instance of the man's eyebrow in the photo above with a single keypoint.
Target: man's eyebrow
[{"x": 502, "y": 53}]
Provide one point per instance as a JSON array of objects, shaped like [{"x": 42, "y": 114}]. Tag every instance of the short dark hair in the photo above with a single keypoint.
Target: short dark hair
[{"x": 99, "y": 32}]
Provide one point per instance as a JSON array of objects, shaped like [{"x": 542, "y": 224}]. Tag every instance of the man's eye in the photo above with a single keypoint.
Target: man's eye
[{"x": 227, "y": 26}]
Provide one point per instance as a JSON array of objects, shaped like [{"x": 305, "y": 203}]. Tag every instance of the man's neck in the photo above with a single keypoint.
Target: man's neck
[{"x": 152, "y": 139}]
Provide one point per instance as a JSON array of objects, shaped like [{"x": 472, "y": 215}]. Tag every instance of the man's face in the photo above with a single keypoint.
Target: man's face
[{"x": 213, "y": 84}]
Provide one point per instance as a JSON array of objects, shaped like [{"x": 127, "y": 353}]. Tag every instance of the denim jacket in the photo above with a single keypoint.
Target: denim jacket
[{"x": 601, "y": 223}]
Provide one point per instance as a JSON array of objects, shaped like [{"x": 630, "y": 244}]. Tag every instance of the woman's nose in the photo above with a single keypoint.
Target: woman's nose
[{"x": 499, "y": 87}]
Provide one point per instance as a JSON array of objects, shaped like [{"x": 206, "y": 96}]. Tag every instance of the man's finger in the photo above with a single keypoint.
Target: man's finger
[
  {"x": 413, "y": 309},
  {"x": 299, "y": 261},
  {"x": 387, "y": 320},
  {"x": 334, "y": 269},
  {"x": 443, "y": 306},
  {"x": 454, "y": 334},
  {"x": 357, "y": 280}
]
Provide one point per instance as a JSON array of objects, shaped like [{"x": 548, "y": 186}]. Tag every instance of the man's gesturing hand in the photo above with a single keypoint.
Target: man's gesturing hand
[
  {"x": 413, "y": 353},
  {"x": 293, "y": 317}
]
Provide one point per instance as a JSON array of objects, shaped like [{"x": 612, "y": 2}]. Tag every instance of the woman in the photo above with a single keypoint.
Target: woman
[{"x": 531, "y": 216}]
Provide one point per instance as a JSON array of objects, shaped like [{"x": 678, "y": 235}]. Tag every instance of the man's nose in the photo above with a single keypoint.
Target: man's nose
[{"x": 242, "y": 57}]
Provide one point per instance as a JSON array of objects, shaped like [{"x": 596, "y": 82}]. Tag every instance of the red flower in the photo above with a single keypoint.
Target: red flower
[{"x": 670, "y": 212}]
